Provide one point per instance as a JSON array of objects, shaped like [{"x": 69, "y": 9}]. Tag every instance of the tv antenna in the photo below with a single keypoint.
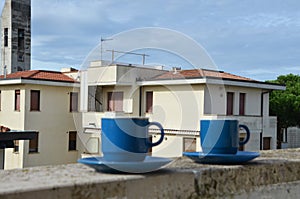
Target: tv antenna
[
  {"x": 101, "y": 43},
  {"x": 130, "y": 53}
]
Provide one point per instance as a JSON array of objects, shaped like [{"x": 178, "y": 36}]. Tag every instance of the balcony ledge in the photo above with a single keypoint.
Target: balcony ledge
[{"x": 276, "y": 174}]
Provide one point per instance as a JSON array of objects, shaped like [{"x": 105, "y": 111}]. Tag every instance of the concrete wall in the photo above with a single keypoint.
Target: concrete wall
[
  {"x": 276, "y": 174},
  {"x": 14, "y": 18}
]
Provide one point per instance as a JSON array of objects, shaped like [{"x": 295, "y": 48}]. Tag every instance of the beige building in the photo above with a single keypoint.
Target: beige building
[
  {"x": 177, "y": 99},
  {"x": 46, "y": 102},
  {"x": 67, "y": 114}
]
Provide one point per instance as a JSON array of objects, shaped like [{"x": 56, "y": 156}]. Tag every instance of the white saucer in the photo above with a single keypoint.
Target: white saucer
[
  {"x": 149, "y": 164},
  {"x": 209, "y": 158}
]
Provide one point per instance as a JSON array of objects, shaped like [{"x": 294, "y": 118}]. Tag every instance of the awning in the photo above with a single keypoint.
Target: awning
[{"x": 7, "y": 138}]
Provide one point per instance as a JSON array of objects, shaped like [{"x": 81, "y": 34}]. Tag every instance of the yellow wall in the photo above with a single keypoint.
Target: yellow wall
[
  {"x": 53, "y": 121},
  {"x": 177, "y": 106}
]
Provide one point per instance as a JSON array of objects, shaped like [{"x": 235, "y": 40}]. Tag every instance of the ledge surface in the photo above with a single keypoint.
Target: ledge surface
[{"x": 180, "y": 179}]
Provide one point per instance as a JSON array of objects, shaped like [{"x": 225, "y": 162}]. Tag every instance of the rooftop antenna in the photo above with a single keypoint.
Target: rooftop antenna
[
  {"x": 124, "y": 52},
  {"x": 101, "y": 43}
]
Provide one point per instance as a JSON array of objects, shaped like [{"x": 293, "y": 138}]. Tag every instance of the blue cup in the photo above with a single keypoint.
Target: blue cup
[
  {"x": 127, "y": 139},
  {"x": 221, "y": 136}
]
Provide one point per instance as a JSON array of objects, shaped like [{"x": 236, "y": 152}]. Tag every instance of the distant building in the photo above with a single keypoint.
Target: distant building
[
  {"x": 177, "y": 99},
  {"x": 16, "y": 36},
  {"x": 291, "y": 137},
  {"x": 46, "y": 102}
]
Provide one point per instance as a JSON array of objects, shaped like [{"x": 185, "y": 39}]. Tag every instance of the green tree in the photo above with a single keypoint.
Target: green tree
[{"x": 286, "y": 104}]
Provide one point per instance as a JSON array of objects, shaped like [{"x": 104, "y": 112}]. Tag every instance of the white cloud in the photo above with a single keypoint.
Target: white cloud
[
  {"x": 268, "y": 20},
  {"x": 270, "y": 74},
  {"x": 40, "y": 40},
  {"x": 48, "y": 65}
]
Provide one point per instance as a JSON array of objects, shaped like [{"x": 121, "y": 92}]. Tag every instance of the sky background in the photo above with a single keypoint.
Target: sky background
[{"x": 259, "y": 39}]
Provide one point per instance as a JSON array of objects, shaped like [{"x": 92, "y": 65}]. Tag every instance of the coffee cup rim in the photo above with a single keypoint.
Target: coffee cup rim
[
  {"x": 229, "y": 119},
  {"x": 124, "y": 117}
]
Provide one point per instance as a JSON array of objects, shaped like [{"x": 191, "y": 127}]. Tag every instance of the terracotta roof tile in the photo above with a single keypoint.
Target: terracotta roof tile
[
  {"x": 199, "y": 73},
  {"x": 40, "y": 75}
]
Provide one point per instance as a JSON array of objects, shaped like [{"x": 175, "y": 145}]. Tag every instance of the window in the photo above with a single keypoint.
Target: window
[
  {"x": 5, "y": 37},
  {"x": 115, "y": 101},
  {"x": 189, "y": 144},
  {"x": 17, "y": 100},
  {"x": 34, "y": 100},
  {"x": 149, "y": 101},
  {"x": 95, "y": 101},
  {"x": 21, "y": 40},
  {"x": 242, "y": 103},
  {"x": 72, "y": 140},
  {"x": 230, "y": 96},
  {"x": 16, "y": 146},
  {"x": 20, "y": 59},
  {"x": 73, "y": 102},
  {"x": 33, "y": 144}
]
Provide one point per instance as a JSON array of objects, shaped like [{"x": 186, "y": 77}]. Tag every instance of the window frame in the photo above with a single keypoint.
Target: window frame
[
  {"x": 242, "y": 104},
  {"x": 229, "y": 103},
  {"x": 17, "y": 105},
  {"x": 21, "y": 39},
  {"x": 72, "y": 141},
  {"x": 149, "y": 102},
  {"x": 113, "y": 101},
  {"x": 16, "y": 146},
  {"x": 38, "y": 108},
  {"x": 33, "y": 146},
  {"x": 74, "y": 100},
  {"x": 5, "y": 37}
]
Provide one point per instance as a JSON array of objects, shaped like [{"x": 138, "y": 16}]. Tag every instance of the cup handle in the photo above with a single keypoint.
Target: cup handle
[
  {"x": 162, "y": 132},
  {"x": 247, "y": 136}
]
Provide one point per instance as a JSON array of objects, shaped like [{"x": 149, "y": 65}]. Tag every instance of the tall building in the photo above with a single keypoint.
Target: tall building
[{"x": 15, "y": 36}]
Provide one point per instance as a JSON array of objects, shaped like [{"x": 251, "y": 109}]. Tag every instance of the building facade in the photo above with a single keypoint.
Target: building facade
[
  {"x": 15, "y": 36},
  {"x": 46, "y": 102},
  {"x": 291, "y": 137},
  {"x": 177, "y": 99}
]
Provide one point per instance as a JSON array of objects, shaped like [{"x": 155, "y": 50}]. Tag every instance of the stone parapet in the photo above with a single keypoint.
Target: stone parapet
[{"x": 276, "y": 174}]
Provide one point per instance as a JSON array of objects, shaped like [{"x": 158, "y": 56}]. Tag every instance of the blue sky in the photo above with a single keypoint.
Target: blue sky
[{"x": 259, "y": 39}]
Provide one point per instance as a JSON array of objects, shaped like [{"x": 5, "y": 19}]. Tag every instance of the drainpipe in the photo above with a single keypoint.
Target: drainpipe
[
  {"x": 262, "y": 101},
  {"x": 140, "y": 100}
]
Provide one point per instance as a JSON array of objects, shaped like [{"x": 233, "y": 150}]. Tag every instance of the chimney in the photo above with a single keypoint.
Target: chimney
[{"x": 175, "y": 69}]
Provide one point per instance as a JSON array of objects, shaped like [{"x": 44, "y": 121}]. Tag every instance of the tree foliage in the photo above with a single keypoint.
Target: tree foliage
[{"x": 286, "y": 104}]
